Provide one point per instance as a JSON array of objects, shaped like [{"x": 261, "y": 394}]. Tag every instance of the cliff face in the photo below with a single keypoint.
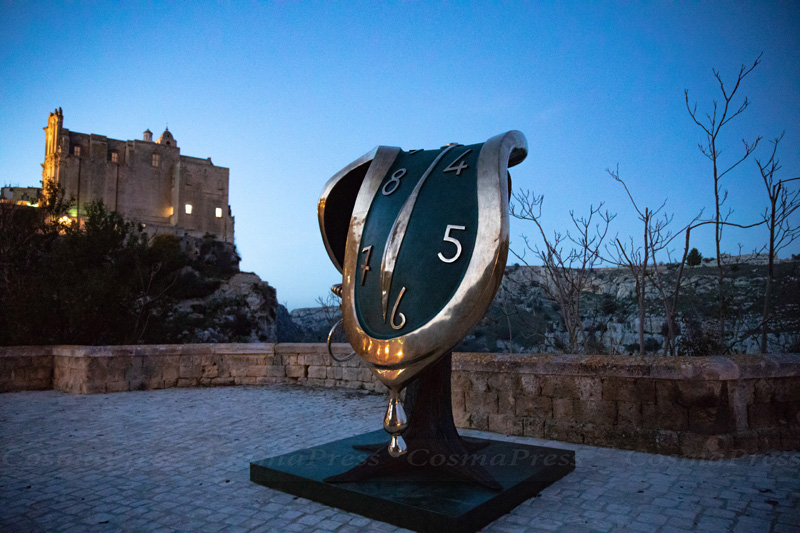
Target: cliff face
[
  {"x": 526, "y": 318},
  {"x": 212, "y": 302},
  {"x": 242, "y": 309},
  {"x": 310, "y": 324}
]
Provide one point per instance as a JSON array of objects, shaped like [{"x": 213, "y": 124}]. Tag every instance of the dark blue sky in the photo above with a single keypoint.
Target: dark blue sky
[{"x": 286, "y": 94}]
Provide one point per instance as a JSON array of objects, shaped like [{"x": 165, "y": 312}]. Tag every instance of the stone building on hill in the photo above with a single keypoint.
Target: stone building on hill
[
  {"x": 143, "y": 180},
  {"x": 28, "y": 196}
]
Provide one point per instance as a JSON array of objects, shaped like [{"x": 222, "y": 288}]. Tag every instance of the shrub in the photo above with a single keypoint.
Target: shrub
[{"x": 694, "y": 257}]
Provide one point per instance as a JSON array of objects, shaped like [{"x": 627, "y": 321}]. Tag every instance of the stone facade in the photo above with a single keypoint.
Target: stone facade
[
  {"x": 28, "y": 196},
  {"x": 147, "y": 181},
  {"x": 704, "y": 407}
]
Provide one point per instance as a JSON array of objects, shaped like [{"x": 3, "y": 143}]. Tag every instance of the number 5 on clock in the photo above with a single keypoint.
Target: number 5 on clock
[{"x": 448, "y": 238}]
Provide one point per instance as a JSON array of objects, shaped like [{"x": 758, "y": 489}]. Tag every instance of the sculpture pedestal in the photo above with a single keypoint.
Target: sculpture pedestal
[
  {"x": 431, "y": 431},
  {"x": 421, "y": 499}
]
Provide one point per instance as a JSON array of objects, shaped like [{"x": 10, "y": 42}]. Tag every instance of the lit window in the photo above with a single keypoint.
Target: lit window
[
  {"x": 219, "y": 212},
  {"x": 188, "y": 209},
  {"x": 156, "y": 160},
  {"x": 77, "y": 151},
  {"x": 114, "y": 157}
]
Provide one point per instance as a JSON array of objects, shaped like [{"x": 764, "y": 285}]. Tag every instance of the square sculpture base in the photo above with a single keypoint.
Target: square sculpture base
[{"x": 421, "y": 499}]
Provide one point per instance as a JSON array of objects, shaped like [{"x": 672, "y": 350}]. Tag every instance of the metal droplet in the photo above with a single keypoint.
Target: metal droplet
[
  {"x": 397, "y": 447},
  {"x": 395, "y": 420}
]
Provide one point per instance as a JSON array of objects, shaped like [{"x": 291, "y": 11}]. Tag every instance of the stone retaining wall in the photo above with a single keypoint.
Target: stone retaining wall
[
  {"x": 96, "y": 369},
  {"x": 26, "y": 368},
  {"x": 100, "y": 369},
  {"x": 689, "y": 406},
  {"x": 695, "y": 407}
]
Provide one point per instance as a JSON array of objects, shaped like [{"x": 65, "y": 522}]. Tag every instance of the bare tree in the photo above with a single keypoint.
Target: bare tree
[
  {"x": 782, "y": 203},
  {"x": 711, "y": 125},
  {"x": 330, "y": 307},
  {"x": 641, "y": 259},
  {"x": 672, "y": 299},
  {"x": 671, "y": 306},
  {"x": 507, "y": 310},
  {"x": 567, "y": 259}
]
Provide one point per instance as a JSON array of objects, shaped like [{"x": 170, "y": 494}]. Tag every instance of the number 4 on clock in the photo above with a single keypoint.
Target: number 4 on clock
[{"x": 458, "y": 164}]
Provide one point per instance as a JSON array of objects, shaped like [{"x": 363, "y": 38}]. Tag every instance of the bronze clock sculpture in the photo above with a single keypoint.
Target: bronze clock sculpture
[{"x": 421, "y": 240}]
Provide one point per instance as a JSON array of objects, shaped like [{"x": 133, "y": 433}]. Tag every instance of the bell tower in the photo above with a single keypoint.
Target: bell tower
[{"x": 53, "y": 131}]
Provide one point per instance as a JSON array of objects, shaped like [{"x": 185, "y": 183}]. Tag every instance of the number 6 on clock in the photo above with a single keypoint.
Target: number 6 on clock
[{"x": 455, "y": 241}]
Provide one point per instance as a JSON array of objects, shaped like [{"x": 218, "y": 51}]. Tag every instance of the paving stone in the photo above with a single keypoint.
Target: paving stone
[
  {"x": 310, "y": 520},
  {"x": 684, "y": 524},
  {"x": 673, "y": 529},
  {"x": 746, "y": 523},
  {"x": 651, "y": 518},
  {"x": 680, "y": 513},
  {"x": 714, "y": 524},
  {"x": 720, "y": 513},
  {"x": 328, "y": 525},
  {"x": 640, "y": 526},
  {"x": 178, "y": 459}
]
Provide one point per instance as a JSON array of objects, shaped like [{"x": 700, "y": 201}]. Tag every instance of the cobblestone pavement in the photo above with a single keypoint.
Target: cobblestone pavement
[{"x": 178, "y": 460}]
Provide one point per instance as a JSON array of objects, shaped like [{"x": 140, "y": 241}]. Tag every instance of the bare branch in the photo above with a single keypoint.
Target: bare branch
[{"x": 748, "y": 149}]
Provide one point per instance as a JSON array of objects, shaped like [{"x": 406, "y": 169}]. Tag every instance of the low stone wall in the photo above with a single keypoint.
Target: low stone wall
[
  {"x": 694, "y": 407},
  {"x": 26, "y": 368},
  {"x": 702, "y": 407},
  {"x": 101, "y": 369}
]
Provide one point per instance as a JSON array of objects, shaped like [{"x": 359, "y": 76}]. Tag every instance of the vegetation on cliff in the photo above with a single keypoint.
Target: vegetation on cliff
[{"x": 105, "y": 281}]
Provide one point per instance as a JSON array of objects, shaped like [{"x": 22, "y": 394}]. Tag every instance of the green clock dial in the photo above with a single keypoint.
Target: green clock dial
[
  {"x": 418, "y": 239},
  {"x": 421, "y": 240}
]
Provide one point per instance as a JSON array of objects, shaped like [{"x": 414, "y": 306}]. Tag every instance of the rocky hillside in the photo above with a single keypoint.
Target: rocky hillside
[
  {"x": 214, "y": 302},
  {"x": 241, "y": 308},
  {"x": 524, "y": 318},
  {"x": 308, "y": 324}
]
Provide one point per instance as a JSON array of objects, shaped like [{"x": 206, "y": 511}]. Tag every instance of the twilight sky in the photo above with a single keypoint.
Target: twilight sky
[{"x": 286, "y": 94}]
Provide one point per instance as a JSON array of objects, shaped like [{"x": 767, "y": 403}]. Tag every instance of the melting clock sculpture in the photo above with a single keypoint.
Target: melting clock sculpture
[{"x": 421, "y": 240}]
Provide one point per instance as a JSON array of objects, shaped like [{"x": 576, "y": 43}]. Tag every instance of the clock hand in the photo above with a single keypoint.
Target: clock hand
[{"x": 398, "y": 232}]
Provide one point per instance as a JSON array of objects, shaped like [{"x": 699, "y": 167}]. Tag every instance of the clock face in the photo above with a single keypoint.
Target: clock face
[
  {"x": 421, "y": 240},
  {"x": 418, "y": 239}
]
